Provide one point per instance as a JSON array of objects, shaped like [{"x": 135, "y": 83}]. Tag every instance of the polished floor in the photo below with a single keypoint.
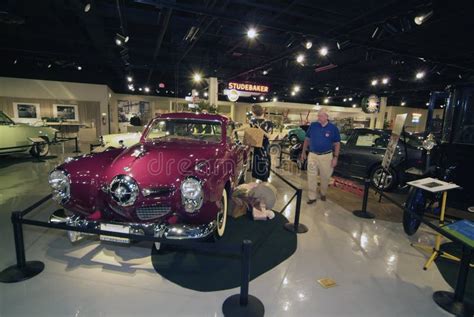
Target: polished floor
[{"x": 376, "y": 270}]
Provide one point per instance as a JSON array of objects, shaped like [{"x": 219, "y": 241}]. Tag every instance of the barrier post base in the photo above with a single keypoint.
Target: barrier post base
[
  {"x": 363, "y": 214},
  {"x": 446, "y": 301},
  {"x": 14, "y": 274},
  {"x": 300, "y": 229},
  {"x": 232, "y": 307}
]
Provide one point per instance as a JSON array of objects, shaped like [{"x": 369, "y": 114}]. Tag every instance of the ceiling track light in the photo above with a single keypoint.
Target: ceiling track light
[
  {"x": 121, "y": 39},
  {"x": 377, "y": 34},
  {"x": 420, "y": 75},
  {"x": 308, "y": 45},
  {"x": 87, "y": 7},
  {"x": 422, "y": 18},
  {"x": 252, "y": 33},
  {"x": 323, "y": 51},
  {"x": 300, "y": 58}
]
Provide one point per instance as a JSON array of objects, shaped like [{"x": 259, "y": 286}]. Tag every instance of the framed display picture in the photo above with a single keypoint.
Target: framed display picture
[
  {"x": 66, "y": 112},
  {"x": 26, "y": 112}
]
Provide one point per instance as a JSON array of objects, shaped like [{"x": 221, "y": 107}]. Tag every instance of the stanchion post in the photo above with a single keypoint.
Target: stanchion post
[
  {"x": 280, "y": 158},
  {"x": 363, "y": 213},
  {"x": 19, "y": 242},
  {"x": 455, "y": 303},
  {"x": 297, "y": 226},
  {"x": 22, "y": 270},
  {"x": 244, "y": 304},
  {"x": 77, "y": 146},
  {"x": 245, "y": 272}
]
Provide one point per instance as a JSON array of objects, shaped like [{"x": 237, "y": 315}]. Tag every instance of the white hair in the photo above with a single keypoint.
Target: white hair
[{"x": 323, "y": 111}]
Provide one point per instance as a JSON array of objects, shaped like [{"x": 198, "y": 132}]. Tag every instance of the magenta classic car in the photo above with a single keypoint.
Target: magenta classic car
[{"x": 175, "y": 183}]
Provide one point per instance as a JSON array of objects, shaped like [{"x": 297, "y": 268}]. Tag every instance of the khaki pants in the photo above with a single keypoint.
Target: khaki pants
[{"x": 318, "y": 165}]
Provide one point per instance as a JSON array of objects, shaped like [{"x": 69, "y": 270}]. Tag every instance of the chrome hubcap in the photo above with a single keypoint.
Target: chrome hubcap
[{"x": 379, "y": 177}]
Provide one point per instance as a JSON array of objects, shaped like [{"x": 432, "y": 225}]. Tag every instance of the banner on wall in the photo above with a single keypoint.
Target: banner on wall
[{"x": 394, "y": 137}]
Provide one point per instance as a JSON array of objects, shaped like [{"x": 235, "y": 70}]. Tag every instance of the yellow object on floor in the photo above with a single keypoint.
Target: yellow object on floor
[{"x": 327, "y": 282}]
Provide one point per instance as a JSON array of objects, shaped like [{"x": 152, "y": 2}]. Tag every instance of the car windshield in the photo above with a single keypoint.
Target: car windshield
[
  {"x": 204, "y": 130},
  {"x": 5, "y": 120}
]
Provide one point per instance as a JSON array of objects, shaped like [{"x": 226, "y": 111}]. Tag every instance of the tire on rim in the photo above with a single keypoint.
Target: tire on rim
[
  {"x": 40, "y": 150},
  {"x": 416, "y": 204},
  {"x": 391, "y": 179},
  {"x": 221, "y": 219},
  {"x": 294, "y": 139},
  {"x": 275, "y": 149}
]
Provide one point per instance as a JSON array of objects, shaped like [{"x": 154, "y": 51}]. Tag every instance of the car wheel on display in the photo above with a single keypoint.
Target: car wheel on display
[
  {"x": 390, "y": 180},
  {"x": 40, "y": 150},
  {"x": 221, "y": 219},
  {"x": 416, "y": 204},
  {"x": 275, "y": 149},
  {"x": 294, "y": 140}
]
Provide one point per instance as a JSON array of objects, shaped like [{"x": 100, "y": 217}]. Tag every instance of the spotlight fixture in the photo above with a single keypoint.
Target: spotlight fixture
[
  {"x": 293, "y": 93},
  {"x": 49, "y": 65},
  {"x": 197, "y": 77},
  {"x": 140, "y": 89},
  {"x": 196, "y": 94},
  {"x": 300, "y": 58},
  {"x": 337, "y": 88},
  {"x": 79, "y": 67},
  {"x": 147, "y": 89},
  {"x": 354, "y": 105},
  {"x": 420, "y": 75},
  {"x": 87, "y": 7},
  {"x": 374, "y": 82},
  {"x": 265, "y": 72},
  {"x": 15, "y": 61},
  {"x": 385, "y": 80},
  {"x": 345, "y": 99},
  {"x": 252, "y": 33},
  {"x": 262, "y": 98},
  {"x": 402, "y": 103},
  {"x": 275, "y": 99},
  {"x": 323, "y": 51},
  {"x": 420, "y": 19},
  {"x": 129, "y": 79},
  {"x": 350, "y": 99},
  {"x": 308, "y": 45},
  {"x": 206, "y": 94},
  {"x": 120, "y": 39},
  {"x": 296, "y": 88},
  {"x": 427, "y": 103},
  {"x": 326, "y": 100}
]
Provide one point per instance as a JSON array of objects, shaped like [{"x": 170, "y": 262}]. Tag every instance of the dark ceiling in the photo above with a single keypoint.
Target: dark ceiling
[{"x": 172, "y": 39}]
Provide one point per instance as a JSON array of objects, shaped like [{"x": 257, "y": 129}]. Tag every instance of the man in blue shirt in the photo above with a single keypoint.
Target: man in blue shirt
[{"x": 324, "y": 144}]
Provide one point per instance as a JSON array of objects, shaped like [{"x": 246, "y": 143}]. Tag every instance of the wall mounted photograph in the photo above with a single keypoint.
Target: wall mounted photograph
[
  {"x": 66, "y": 112},
  {"x": 26, "y": 112}
]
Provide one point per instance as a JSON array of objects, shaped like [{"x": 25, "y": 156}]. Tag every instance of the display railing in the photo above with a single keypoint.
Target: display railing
[
  {"x": 454, "y": 303},
  {"x": 242, "y": 304},
  {"x": 296, "y": 226}
]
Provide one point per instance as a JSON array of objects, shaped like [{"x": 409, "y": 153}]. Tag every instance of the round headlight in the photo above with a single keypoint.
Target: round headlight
[
  {"x": 60, "y": 183},
  {"x": 429, "y": 143},
  {"x": 124, "y": 190},
  {"x": 191, "y": 188}
]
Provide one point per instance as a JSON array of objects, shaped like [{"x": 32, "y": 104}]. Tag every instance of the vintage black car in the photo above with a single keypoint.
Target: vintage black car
[{"x": 362, "y": 151}]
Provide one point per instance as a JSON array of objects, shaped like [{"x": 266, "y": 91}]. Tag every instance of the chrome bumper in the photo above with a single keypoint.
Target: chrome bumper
[{"x": 161, "y": 230}]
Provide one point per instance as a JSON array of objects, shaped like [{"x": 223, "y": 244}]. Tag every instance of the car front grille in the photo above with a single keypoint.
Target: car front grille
[{"x": 152, "y": 212}]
